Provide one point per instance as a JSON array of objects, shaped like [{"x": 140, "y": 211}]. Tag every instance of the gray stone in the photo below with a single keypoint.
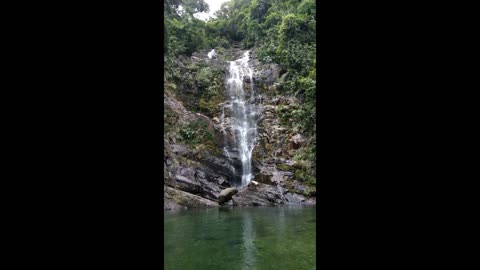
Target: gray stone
[
  {"x": 200, "y": 174},
  {"x": 294, "y": 198},
  {"x": 226, "y": 194},
  {"x": 185, "y": 184},
  {"x": 277, "y": 177},
  {"x": 175, "y": 198}
]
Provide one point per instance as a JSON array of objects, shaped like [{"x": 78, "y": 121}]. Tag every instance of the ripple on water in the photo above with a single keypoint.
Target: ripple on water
[{"x": 241, "y": 238}]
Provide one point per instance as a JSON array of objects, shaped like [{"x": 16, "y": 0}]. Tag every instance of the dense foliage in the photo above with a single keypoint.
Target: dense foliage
[{"x": 282, "y": 32}]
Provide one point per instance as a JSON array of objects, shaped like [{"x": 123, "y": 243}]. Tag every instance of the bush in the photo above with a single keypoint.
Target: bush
[
  {"x": 196, "y": 133},
  {"x": 304, "y": 167}
]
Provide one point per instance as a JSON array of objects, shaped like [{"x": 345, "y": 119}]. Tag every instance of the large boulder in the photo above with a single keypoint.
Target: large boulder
[
  {"x": 226, "y": 194},
  {"x": 259, "y": 195},
  {"x": 294, "y": 198},
  {"x": 176, "y": 199},
  {"x": 218, "y": 164},
  {"x": 185, "y": 184}
]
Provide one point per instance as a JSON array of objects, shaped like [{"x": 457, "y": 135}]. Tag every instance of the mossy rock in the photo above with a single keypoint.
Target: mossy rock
[
  {"x": 311, "y": 191},
  {"x": 299, "y": 175},
  {"x": 284, "y": 167}
]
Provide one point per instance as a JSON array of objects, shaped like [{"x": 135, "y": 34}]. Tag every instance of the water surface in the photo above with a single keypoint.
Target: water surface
[{"x": 240, "y": 238}]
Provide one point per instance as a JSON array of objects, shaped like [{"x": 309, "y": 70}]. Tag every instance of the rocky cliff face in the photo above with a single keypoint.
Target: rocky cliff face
[{"x": 196, "y": 169}]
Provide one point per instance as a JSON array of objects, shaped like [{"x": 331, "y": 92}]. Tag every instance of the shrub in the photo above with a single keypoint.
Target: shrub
[{"x": 196, "y": 132}]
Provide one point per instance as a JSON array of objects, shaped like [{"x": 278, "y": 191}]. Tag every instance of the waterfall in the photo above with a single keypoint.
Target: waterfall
[
  {"x": 212, "y": 54},
  {"x": 222, "y": 120},
  {"x": 243, "y": 115}
]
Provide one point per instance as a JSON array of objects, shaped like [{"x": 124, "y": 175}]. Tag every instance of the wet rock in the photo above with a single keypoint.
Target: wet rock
[
  {"x": 175, "y": 198},
  {"x": 256, "y": 165},
  {"x": 215, "y": 163},
  {"x": 294, "y": 198},
  {"x": 259, "y": 195},
  {"x": 226, "y": 195},
  {"x": 264, "y": 176},
  {"x": 222, "y": 182},
  {"x": 249, "y": 198},
  {"x": 210, "y": 191},
  {"x": 187, "y": 185},
  {"x": 200, "y": 174}
]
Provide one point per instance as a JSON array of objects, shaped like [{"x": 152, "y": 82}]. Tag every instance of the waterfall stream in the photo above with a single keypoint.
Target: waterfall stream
[
  {"x": 212, "y": 54},
  {"x": 243, "y": 113}
]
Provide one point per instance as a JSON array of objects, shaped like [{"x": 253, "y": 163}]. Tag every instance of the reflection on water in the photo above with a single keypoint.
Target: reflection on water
[
  {"x": 240, "y": 238},
  {"x": 281, "y": 220},
  {"x": 249, "y": 247}
]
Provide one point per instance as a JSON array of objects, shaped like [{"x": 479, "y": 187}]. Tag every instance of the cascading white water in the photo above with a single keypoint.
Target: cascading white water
[
  {"x": 243, "y": 115},
  {"x": 212, "y": 54}
]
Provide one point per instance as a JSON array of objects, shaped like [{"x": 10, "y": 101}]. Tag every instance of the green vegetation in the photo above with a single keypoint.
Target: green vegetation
[
  {"x": 169, "y": 120},
  {"x": 196, "y": 132},
  {"x": 305, "y": 167},
  {"x": 283, "y": 167},
  {"x": 199, "y": 135},
  {"x": 281, "y": 32},
  {"x": 210, "y": 84}
]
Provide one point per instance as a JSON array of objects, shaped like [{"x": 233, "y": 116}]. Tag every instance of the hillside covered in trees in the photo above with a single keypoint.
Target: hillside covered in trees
[{"x": 277, "y": 41}]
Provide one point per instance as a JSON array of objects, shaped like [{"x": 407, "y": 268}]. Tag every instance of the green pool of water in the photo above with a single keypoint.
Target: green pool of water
[{"x": 280, "y": 238}]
